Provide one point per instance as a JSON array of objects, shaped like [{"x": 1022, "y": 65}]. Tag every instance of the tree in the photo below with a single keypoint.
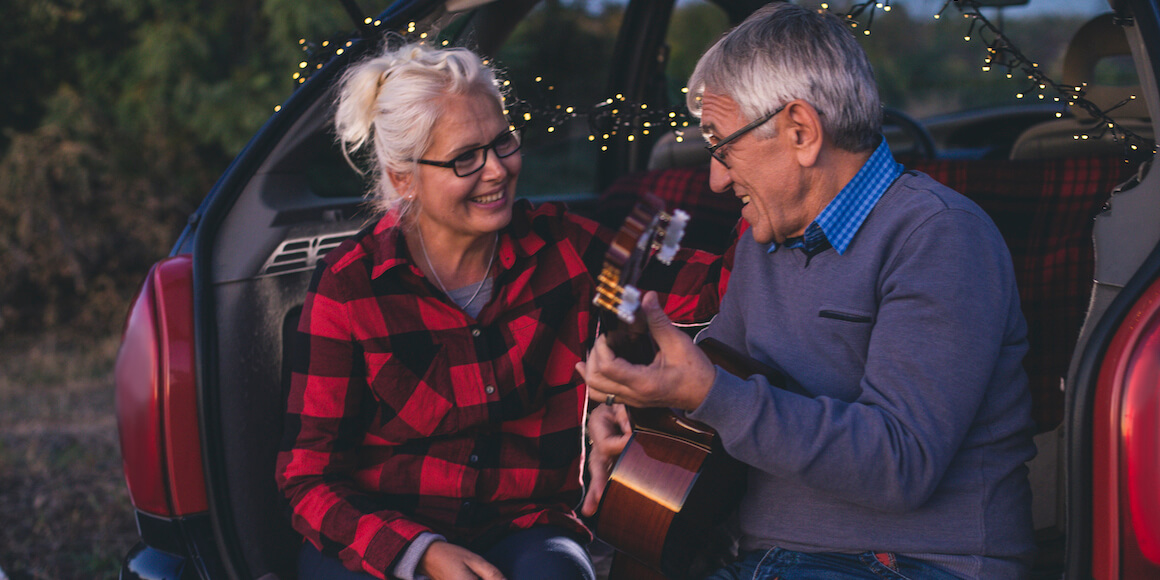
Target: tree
[{"x": 124, "y": 113}]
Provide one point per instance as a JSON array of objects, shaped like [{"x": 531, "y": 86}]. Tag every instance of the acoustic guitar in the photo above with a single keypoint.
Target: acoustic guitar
[{"x": 673, "y": 485}]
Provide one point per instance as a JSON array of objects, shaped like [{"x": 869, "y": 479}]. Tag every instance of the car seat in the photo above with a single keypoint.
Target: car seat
[{"x": 1097, "y": 41}]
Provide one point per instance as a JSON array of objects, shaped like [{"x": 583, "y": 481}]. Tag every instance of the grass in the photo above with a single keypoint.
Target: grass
[{"x": 64, "y": 508}]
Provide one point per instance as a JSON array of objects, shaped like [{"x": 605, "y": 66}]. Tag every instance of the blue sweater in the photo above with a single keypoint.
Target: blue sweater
[{"x": 911, "y": 343}]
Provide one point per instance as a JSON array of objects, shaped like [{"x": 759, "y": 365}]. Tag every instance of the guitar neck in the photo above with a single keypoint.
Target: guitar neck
[{"x": 629, "y": 341}]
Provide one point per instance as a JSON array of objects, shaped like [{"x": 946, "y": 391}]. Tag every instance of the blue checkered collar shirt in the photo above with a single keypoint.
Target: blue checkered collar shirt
[{"x": 840, "y": 220}]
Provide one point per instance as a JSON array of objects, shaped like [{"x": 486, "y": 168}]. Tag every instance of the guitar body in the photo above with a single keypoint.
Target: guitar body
[{"x": 672, "y": 485}]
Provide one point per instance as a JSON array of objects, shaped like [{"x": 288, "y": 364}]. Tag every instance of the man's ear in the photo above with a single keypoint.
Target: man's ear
[{"x": 805, "y": 127}]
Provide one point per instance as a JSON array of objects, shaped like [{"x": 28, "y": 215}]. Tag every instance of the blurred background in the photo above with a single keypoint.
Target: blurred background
[{"x": 116, "y": 117}]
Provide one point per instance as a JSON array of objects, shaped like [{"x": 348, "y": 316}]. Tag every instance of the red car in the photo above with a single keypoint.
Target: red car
[{"x": 201, "y": 376}]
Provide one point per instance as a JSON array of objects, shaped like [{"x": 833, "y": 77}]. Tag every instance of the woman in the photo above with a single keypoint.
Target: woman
[{"x": 434, "y": 424}]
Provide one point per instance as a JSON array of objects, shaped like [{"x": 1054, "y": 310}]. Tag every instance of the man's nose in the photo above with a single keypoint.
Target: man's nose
[{"x": 720, "y": 180}]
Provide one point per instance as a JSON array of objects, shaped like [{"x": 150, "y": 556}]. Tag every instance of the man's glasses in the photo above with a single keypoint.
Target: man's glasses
[
  {"x": 472, "y": 160},
  {"x": 719, "y": 154}
]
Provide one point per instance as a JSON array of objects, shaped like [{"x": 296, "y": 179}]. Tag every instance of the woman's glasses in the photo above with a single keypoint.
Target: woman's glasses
[{"x": 472, "y": 160}]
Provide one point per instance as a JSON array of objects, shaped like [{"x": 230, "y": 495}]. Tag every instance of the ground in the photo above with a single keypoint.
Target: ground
[{"x": 64, "y": 507}]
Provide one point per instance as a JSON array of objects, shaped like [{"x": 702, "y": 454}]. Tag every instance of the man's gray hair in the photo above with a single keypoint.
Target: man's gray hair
[{"x": 784, "y": 52}]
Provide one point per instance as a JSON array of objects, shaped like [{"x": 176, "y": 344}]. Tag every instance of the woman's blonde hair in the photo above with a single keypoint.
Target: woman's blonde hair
[{"x": 390, "y": 102}]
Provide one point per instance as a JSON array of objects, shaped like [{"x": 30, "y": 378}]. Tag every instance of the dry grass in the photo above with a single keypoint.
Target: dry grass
[{"x": 64, "y": 508}]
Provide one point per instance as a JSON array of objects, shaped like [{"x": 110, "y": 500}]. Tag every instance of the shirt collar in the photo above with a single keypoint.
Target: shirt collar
[
  {"x": 844, "y": 215},
  {"x": 389, "y": 250}
]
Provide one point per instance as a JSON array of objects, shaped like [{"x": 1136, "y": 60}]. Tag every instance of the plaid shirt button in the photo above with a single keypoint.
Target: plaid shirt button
[
  {"x": 475, "y": 332},
  {"x": 473, "y": 459},
  {"x": 489, "y": 389}
]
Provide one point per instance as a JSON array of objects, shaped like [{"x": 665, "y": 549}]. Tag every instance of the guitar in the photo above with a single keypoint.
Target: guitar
[{"x": 673, "y": 484}]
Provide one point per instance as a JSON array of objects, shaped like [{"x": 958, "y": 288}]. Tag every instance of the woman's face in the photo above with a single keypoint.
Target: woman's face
[{"x": 476, "y": 205}]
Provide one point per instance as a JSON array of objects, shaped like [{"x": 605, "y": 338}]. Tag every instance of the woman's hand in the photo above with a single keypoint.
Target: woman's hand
[
  {"x": 609, "y": 430},
  {"x": 446, "y": 561}
]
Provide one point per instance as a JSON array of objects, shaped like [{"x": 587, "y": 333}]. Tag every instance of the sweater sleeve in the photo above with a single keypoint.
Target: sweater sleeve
[{"x": 947, "y": 299}]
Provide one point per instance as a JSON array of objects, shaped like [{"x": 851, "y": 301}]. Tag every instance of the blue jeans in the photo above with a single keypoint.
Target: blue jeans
[
  {"x": 540, "y": 553},
  {"x": 778, "y": 564}
]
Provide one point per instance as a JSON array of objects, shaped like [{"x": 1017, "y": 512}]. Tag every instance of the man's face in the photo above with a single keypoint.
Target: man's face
[{"x": 763, "y": 173}]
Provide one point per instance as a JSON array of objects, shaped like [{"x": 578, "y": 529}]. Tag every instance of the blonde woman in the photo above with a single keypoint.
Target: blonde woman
[{"x": 434, "y": 424}]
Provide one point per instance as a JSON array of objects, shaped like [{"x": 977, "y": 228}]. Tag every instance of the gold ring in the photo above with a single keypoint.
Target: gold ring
[{"x": 610, "y": 400}]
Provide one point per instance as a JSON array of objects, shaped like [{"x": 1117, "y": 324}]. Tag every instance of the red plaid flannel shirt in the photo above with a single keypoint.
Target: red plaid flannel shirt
[{"x": 405, "y": 415}]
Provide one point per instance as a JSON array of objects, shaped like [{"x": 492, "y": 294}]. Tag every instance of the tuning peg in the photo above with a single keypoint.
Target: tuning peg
[
  {"x": 673, "y": 234},
  {"x": 629, "y": 303}
]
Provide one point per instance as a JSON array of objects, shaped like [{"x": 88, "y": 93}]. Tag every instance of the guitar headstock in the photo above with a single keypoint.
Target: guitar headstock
[{"x": 648, "y": 229}]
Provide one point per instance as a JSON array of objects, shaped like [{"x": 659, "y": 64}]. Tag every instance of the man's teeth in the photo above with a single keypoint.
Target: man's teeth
[
  {"x": 744, "y": 199},
  {"x": 488, "y": 198}
]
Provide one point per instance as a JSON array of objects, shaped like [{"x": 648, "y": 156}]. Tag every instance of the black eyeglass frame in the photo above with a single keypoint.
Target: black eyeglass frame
[
  {"x": 515, "y": 133},
  {"x": 713, "y": 149}
]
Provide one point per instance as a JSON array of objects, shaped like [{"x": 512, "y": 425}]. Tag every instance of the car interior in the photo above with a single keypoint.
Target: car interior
[{"x": 302, "y": 200}]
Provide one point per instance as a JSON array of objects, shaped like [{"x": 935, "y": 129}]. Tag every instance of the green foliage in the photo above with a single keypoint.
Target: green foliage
[
  {"x": 574, "y": 62},
  {"x": 926, "y": 67},
  {"x": 123, "y": 114},
  {"x": 694, "y": 28}
]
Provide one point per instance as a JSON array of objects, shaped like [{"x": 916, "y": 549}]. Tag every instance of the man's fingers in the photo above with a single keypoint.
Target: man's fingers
[{"x": 659, "y": 325}]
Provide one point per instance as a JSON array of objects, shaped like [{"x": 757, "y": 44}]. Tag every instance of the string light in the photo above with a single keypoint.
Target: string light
[
  {"x": 1003, "y": 53},
  {"x": 633, "y": 119}
]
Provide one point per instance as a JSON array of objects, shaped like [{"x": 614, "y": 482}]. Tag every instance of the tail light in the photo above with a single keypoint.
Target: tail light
[
  {"x": 157, "y": 398},
  {"x": 1126, "y": 448}
]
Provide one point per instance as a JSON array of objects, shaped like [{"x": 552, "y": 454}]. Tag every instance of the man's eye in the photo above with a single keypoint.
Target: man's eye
[{"x": 467, "y": 157}]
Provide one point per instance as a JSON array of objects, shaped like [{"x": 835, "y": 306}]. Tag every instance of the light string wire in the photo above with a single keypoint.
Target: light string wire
[
  {"x": 617, "y": 117},
  {"x": 1001, "y": 53}
]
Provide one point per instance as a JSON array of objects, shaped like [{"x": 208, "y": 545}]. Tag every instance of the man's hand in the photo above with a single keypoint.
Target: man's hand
[
  {"x": 679, "y": 376},
  {"x": 609, "y": 430},
  {"x": 446, "y": 561}
]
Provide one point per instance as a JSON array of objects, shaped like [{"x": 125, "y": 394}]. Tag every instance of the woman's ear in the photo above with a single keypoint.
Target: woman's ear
[
  {"x": 805, "y": 126},
  {"x": 402, "y": 183}
]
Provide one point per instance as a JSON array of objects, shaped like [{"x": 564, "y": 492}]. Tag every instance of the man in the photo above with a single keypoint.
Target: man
[{"x": 890, "y": 298}]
